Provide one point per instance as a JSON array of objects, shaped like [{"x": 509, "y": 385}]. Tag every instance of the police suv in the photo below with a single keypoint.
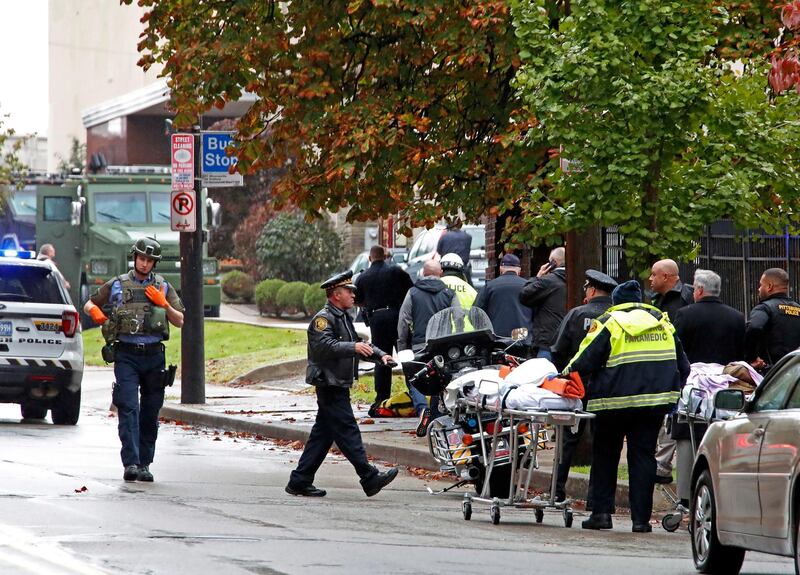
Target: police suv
[{"x": 41, "y": 347}]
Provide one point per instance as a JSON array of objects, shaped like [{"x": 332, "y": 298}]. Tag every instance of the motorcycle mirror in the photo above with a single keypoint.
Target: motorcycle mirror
[
  {"x": 519, "y": 333},
  {"x": 405, "y": 356},
  {"x": 438, "y": 361}
]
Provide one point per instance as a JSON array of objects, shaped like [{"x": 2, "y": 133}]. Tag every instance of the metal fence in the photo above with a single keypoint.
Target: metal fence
[{"x": 739, "y": 257}]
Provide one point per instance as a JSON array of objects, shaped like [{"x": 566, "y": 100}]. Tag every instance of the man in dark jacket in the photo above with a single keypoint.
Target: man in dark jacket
[
  {"x": 774, "y": 326},
  {"x": 428, "y": 296},
  {"x": 671, "y": 294},
  {"x": 500, "y": 299},
  {"x": 636, "y": 368},
  {"x": 454, "y": 240},
  {"x": 546, "y": 295},
  {"x": 709, "y": 330},
  {"x": 333, "y": 351},
  {"x": 576, "y": 323},
  {"x": 380, "y": 291}
]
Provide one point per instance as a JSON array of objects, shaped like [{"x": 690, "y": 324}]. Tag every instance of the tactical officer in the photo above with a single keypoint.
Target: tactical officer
[
  {"x": 774, "y": 326},
  {"x": 380, "y": 291},
  {"x": 143, "y": 305},
  {"x": 637, "y": 367},
  {"x": 576, "y": 323},
  {"x": 333, "y": 351}
]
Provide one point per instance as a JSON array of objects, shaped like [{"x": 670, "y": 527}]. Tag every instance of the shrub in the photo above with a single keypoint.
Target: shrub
[
  {"x": 314, "y": 299},
  {"x": 292, "y": 249},
  {"x": 290, "y": 297},
  {"x": 238, "y": 285},
  {"x": 265, "y": 296}
]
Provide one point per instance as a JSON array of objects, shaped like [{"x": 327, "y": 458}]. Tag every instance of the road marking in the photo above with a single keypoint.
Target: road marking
[{"x": 21, "y": 549}]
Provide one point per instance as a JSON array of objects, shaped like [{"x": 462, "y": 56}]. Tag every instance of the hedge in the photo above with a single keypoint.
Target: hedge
[
  {"x": 290, "y": 297},
  {"x": 238, "y": 285},
  {"x": 314, "y": 299},
  {"x": 266, "y": 292}
]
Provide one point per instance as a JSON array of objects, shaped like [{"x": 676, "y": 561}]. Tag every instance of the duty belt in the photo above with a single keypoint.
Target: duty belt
[{"x": 140, "y": 348}]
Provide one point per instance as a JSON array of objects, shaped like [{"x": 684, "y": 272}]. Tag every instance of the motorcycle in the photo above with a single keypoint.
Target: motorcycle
[{"x": 460, "y": 347}]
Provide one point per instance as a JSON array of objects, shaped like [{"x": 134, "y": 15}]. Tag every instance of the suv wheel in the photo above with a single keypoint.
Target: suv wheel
[
  {"x": 33, "y": 411},
  {"x": 66, "y": 408},
  {"x": 710, "y": 556}
]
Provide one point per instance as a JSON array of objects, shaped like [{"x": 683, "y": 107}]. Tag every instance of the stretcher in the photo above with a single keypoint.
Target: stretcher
[{"x": 496, "y": 452}]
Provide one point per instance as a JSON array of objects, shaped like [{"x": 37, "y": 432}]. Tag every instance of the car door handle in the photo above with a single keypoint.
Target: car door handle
[{"x": 758, "y": 432}]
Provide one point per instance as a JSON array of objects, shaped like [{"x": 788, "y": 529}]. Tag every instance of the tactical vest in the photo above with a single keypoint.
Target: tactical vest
[{"x": 136, "y": 314}]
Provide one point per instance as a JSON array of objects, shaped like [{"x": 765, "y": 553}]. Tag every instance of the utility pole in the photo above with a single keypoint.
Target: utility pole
[{"x": 193, "y": 383}]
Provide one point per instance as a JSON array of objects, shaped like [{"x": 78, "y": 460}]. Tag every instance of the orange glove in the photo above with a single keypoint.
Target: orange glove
[
  {"x": 98, "y": 316},
  {"x": 156, "y": 296}
]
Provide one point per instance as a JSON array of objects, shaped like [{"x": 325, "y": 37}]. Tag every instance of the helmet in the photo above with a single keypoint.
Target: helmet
[
  {"x": 452, "y": 262},
  {"x": 148, "y": 247}
]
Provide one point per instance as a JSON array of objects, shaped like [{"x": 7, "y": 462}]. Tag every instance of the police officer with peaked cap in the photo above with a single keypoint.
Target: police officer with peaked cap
[
  {"x": 143, "y": 305},
  {"x": 597, "y": 297},
  {"x": 333, "y": 353}
]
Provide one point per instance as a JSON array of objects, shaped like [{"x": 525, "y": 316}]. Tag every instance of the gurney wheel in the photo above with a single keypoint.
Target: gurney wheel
[
  {"x": 567, "y": 518},
  {"x": 495, "y": 513},
  {"x": 671, "y": 522},
  {"x": 539, "y": 515},
  {"x": 466, "y": 509}
]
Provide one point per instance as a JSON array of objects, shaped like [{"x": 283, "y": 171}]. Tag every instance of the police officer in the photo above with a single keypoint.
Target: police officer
[
  {"x": 500, "y": 299},
  {"x": 453, "y": 278},
  {"x": 333, "y": 351},
  {"x": 773, "y": 329},
  {"x": 597, "y": 290},
  {"x": 143, "y": 305},
  {"x": 637, "y": 367},
  {"x": 380, "y": 291}
]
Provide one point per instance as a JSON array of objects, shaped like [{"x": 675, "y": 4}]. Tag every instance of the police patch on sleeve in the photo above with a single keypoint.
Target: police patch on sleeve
[
  {"x": 593, "y": 327},
  {"x": 320, "y": 324}
]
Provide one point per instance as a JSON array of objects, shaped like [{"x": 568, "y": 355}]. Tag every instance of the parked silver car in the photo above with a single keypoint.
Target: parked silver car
[{"x": 746, "y": 494}]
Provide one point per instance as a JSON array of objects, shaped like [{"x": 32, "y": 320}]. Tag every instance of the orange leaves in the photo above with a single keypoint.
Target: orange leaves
[
  {"x": 784, "y": 73},
  {"x": 790, "y": 15}
]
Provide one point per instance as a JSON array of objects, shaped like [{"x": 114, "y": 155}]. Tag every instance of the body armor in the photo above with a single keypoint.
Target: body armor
[{"x": 136, "y": 315}]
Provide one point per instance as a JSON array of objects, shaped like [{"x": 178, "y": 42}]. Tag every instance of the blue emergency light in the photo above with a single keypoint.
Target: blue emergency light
[{"x": 21, "y": 254}]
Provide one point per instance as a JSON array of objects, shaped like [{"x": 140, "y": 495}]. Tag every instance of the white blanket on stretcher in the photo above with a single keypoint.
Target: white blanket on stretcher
[
  {"x": 520, "y": 388},
  {"x": 705, "y": 380}
]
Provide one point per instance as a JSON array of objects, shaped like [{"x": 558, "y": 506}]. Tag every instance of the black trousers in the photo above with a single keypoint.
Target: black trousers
[
  {"x": 383, "y": 328},
  {"x": 568, "y": 448},
  {"x": 335, "y": 422},
  {"x": 640, "y": 427}
]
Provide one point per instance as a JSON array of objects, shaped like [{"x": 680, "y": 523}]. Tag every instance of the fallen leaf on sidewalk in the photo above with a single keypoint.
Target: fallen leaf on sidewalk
[
  {"x": 366, "y": 421},
  {"x": 83, "y": 489},
  {"x": 217, "y": 439}
]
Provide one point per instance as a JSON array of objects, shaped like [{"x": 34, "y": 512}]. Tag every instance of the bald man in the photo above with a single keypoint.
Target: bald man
[{"x": 671, "y": 294}]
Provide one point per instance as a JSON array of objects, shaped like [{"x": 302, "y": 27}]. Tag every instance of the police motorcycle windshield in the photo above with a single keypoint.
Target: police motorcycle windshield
[{"x": 455, "y": 320}]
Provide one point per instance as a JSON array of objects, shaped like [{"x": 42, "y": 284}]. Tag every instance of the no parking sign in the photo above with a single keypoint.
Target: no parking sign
[{"x": 183, "y": 214}]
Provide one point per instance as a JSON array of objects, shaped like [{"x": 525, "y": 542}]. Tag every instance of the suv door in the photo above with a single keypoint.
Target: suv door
[{"x": 54, "y": 226}]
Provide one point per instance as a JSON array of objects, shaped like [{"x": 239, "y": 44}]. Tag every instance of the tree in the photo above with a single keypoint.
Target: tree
[
  {"x": 388, "y": 106},
  {"x": 292, "y": 249},
  {"x": 663, "y": 137},
  {"x": 76, "y": 163}
]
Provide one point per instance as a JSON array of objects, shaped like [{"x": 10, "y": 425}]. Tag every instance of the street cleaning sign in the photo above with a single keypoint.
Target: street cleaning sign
[
  {"x": 215, "y": 162},
  {"x": 182, "y": 153}
]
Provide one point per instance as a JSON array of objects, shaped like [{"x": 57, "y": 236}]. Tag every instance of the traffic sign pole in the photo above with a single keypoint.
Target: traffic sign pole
[{"x": 193, "y": 383}]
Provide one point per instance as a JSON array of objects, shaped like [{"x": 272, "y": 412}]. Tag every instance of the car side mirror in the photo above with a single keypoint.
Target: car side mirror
[
  {"x": 214, "y": 213},
  {"x": 729, "y": 399},
  {"x": 77, "y": 208}
]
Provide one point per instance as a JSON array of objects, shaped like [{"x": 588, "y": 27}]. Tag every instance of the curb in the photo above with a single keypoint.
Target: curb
[{"x": 273, "y": 371}]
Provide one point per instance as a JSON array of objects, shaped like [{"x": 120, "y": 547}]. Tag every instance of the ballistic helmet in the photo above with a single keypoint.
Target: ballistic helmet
[
  {"x": 452, "y": 262},
  {"x": 148, "y": 247}
]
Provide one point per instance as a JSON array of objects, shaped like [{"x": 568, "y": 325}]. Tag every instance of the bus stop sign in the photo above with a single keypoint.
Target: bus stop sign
[{"x": 216, "y": 163}]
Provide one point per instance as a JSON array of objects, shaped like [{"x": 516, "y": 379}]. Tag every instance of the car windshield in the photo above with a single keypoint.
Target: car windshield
[
  {"x": 23, "y": 203},
  {"x": 453, "y": 320},
  {"x": 478, "y": 238},
  {"x": 25, "y": 283},
  {"x": 159, "y": 207},
  {"x": 120, "y": 208}
]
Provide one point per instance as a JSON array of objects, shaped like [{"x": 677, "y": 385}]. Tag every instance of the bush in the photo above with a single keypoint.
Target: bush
[
  {"x": 238, "y": 285},
  {"x": 290, "y": 297},
  {"x": 265, "y": 296},
  {"x": 292, "y": 249},
  {"x": 314, "y": 299}
]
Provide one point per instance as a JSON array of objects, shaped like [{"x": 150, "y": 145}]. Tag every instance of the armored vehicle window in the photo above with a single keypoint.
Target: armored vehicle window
[
  {"x": 120, "y": 208},
  {"x": 23, "y": 202},
  {"x": 57, "y": 209},
  {"x": 28, "y": 284},
  {"x": 159, "y": 208}
]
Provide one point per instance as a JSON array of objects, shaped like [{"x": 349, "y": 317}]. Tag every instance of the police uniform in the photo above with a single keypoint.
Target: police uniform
[
  {"x": 636, "y": 368},
  {"x": 332, "y": 366},
  {"x": 573, "y": 329},
  {"x": 137, "y": 327},
  {"x": 381, "y": 289},
  {"x": 773, "y": 329}
]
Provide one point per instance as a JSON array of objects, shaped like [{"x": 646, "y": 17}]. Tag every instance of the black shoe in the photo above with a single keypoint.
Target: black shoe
[
  {"x": 131, "y": 473},
  {"x": 373, "y": 410},
  {"x": 379, "y": 481},
  {"x": 642, "y": 528},
  {"x": 597, "y": 521},
  {"x": 424, "y": 421},
  {"x": 307, "y": 491},
  {"x": 144, "y": 474},
  {"x": 663, "y": 479}
]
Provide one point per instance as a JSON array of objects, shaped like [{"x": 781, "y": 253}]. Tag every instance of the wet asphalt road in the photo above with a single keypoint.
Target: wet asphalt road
[{"x": 218, "y": 506}]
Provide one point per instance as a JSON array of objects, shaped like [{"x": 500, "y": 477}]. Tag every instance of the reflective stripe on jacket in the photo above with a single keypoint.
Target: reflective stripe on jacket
[{"x": 632, "y": 359}]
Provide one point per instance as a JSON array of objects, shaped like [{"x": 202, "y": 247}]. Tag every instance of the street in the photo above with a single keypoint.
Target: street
[{"x": 218, "y": 506}]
